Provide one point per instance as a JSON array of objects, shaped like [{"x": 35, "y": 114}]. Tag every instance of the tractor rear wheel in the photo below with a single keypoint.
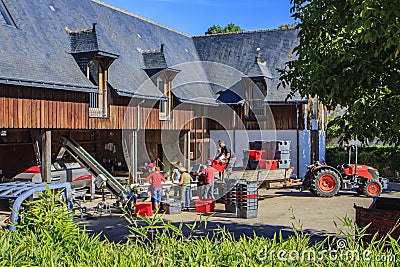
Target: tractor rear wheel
[
  {"x": 325, "y": 183},
  {"x": 372, "y": 188}
]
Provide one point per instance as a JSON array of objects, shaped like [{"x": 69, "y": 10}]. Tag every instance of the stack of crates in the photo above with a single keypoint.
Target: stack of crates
[
  {"x": 267, "y": 155},
  {"x": 283, "y": 154},
  {"x": 230, "y": 197},
  {"x": 247, "y": 199}
]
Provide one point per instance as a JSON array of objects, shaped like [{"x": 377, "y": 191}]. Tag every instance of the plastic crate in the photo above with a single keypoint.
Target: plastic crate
[
  {"x": 247, "y": 185},
  {"x": 144, "y": 209},
  {"x": 268, "y": 154},
  {"x": 247, "y": 213},
  {"x": 252, "y": 165},
  {"x": 256, "y": 154},
  {"x": 282, "y": 155},
  {"x": 283, "y": 145},
  {"x": 268, "y": 164},
  {"x": 219, "y": 165},
  {"x": 172, "y": 207},
  {"x": 284, "y": 164},
  {"x": 204, "y": 205},
  {"x": 248, "y": 196},
  {"x": 253, "y": 203}
]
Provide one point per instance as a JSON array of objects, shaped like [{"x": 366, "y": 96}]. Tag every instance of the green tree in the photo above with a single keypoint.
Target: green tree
[
  {"x": 231, "y": 27},
  {"x": 215, "y": 29},
  {"x": 348, "y": 56},
  {"x": 287, "y": 26}
]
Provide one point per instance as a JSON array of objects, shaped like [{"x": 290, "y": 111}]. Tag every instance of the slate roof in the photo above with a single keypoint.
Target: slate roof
[
  {"x": 272, "y": 48},
  {"x": 39, "y": 50}
]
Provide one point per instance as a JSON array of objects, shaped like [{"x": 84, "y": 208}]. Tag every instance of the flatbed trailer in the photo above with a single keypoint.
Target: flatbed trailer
[{"x": 272, "y": 178}]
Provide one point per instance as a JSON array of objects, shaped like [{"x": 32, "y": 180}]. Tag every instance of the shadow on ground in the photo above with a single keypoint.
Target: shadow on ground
[{"x": 115, "y": 228}]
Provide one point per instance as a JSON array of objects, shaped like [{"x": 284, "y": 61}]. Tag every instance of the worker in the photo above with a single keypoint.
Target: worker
[
  {"x": 225, "y": 155},
  {"x": 184, "y": 181},
  {"x": 156, "y": 186},
  {"x": 152, "y": 165},
  {"x": 208, "y": 172},
  {"x": 176, "y": 176}
]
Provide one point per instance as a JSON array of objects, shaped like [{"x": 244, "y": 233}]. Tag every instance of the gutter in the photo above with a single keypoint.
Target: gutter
[
  {"x": 48, "y": 85},
  {"x": 189, "y": 101},
  {"x": 282, "y": 102},
  {"x": 131, "y": 94}
]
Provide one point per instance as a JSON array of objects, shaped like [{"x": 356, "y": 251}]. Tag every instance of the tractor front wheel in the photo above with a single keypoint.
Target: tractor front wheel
[
  {"x": 325, "y": 183},
  {"x": 372, "y": 188}
]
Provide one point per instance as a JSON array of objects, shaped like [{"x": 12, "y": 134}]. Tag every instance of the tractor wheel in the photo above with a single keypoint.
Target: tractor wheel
[
  {"x": 372, "y": 188},
  {"x": 325, "y": 183}
]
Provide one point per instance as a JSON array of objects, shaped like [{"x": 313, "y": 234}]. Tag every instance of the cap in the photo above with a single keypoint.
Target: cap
[
  {"x": 208, "y": 163},
  {"x": 182, "y": 169}
]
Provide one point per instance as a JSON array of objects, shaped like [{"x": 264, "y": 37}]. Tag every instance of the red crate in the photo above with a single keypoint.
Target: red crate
[
  {"x": 143, "y": 209},
  {"x": 256, "y": 154},
  {"x": 246, "y": 196},
  {"x": 204, "y": 205},
  {"x": 219, "y": 165},
  {"x": 268, "y": 164},
  {"x": 267, "y": 154}
]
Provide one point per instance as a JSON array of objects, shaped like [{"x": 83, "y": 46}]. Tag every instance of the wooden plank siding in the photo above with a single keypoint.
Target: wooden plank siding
[{"x": 32, "y": 108}]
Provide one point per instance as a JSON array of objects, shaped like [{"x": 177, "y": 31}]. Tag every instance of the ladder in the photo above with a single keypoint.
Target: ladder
[{"x": 102, "y": 175}]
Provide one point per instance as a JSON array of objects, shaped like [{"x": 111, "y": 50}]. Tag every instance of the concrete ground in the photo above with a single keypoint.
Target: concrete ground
[{"x": 279, "y": 210}]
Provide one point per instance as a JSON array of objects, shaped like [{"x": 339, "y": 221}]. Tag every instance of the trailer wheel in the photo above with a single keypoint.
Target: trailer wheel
[
  {"x": 372, "y": 188},
  {"x": 325, "y": 183}
]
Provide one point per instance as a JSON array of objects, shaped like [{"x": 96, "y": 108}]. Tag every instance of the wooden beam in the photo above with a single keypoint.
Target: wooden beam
[{"x": 46, "y": 157}]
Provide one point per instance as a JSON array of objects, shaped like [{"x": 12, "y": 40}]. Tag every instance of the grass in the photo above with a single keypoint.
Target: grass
[{"x": 47, "y": 236}]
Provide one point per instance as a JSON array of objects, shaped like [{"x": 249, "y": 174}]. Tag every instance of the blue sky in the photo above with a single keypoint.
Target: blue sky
[{"x": 194, "y": 17}]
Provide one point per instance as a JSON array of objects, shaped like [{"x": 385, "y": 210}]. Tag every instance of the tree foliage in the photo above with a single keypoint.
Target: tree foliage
[
  {"x": 231, "y": 27},
  {"x": 348, "y": 56}
]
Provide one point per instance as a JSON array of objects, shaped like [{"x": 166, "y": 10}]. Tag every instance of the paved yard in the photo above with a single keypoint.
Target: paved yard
[{"x": 279, "y": 210}]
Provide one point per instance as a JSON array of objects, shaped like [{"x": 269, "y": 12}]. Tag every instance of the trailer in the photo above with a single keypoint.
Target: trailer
[{"x": 273, "y": 178}]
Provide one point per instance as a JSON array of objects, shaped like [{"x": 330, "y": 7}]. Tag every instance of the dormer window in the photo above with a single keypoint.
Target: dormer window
[
  {"x": 156, "y": 68},
  {"x": 164, "y": 85},
  {"x": 94, "y": 64},
  {"x": 97, "y": 73},
  {"x": 255, "y": 93}
]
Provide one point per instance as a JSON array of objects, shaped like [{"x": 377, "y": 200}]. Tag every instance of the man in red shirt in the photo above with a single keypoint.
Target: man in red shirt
[
  {"x": 209, "y": 181},
  {"x": 156, "y": 186}
]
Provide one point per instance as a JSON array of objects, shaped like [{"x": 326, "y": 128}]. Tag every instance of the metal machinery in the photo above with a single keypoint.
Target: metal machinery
[
  {"x": 101, "y": 176},
  {"x": 326, "y": 181},
  {"x": 15, "y": 193}
]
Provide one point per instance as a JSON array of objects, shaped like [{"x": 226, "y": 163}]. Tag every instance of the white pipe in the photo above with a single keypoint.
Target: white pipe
[{"x": 135, "y": 137}]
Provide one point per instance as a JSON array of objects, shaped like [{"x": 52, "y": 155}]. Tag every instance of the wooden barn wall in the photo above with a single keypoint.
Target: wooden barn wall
[
  {"x": 285, "y": 117},
  {"x": 27, "y": 107}
]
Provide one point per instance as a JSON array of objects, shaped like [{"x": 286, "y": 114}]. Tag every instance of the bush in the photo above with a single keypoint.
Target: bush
[
  {"x": 386, "y": 159},
  {"x": 47, "y": 237}
]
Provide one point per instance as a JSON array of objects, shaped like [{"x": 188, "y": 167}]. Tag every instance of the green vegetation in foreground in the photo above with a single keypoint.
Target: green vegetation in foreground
[{"x": 47, "y": 237}]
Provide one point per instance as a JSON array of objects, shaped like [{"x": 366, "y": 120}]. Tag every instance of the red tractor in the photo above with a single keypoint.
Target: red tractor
[{"x": 326, "y": 181}]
